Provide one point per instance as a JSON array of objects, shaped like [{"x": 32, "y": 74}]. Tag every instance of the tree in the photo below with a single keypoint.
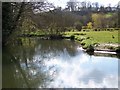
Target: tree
[
  {"x": 89, "y": 25},
  {"x": 118, "y": 7},
  {"x": 11, "y": 15},
  {"x": 105, "y": 20},
  {"x": 72, "y": 4},
  {"x": 89, "y": 6},
  {"x": 78, "y": 25},
  {"x": 14, "y": 14},
  {"x": 84, "y": 5},
  {"x": 102, "y": 9},
  {"x": 55, "y": 21},
  {"x": 98, "y": 20},
  {"x": 96, "y": 6}
]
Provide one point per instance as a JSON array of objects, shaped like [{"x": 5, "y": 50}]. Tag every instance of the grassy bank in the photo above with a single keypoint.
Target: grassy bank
[
  {"x": 95, "y": 38},
  {"x": 98, "y": 40}
]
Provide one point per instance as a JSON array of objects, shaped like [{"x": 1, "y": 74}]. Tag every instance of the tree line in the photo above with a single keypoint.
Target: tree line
[
  {"x": 73, "y": 5},
  {"x": 32, "y": 17}
]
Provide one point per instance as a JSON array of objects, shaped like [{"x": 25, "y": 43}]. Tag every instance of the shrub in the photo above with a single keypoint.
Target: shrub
[
  {"x": 110, "y": 47},
  {"x": 118, "y": 50},
  {"x": 84, "y": 47},
  {"x": 82, "y": 34},
  {"x": 84, "y": 30},
  {"x": 83, "y": 43},
  {"x": 95, "y": 44},
  {"x": 76, "y": 33},
  {"x": 72, "y": 37},
  {"x": 117, "y": 29},
  {"x": 95, "y": 29},
  {"x": 88, "y": 38},
  {"x": 90, "y": 48}
]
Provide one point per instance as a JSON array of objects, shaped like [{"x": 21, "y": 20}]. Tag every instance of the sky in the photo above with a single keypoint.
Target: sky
[{"x": 62, "y": 3}]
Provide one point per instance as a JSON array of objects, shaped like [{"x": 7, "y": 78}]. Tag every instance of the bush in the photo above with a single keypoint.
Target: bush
[
  {"x": 108, "y": 29},
  {"x": 90, "y": 48},
  {"x": 84, "y": 30},
  {"x": 88, "y": 38},
  {"x": 118, "y": 50},
  {"x": 76, "y": 33},
  {"x": 72, "y": 37},
  {"x": 117, "y": 29},
  {"x": 95, "y": 29},
  {"x": 83, "y": 43},
  {"x": 81, "y": 39},
  {"x": 82, "y": 34},
  {"x": 84, "y": 47},
  {"x": 98, "y": 29},
  {"x": 95, "y": 44},
  {"x": 110, "y": 47}
]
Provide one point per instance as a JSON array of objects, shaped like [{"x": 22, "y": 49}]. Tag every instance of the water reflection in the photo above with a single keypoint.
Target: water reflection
[
  {"x": 80, "y": 72},
  {"x": 38, "y": 63}
]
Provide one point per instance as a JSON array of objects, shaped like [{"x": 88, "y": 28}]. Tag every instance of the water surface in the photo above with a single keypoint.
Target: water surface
[{"x": 35, "y": 63}]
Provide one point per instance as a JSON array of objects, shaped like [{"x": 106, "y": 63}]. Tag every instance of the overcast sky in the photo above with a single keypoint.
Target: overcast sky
[{"x": 62, "y": 3}]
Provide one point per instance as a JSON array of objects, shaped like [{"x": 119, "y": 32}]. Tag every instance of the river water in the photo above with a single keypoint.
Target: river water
[{"x": 35, "y": 63}]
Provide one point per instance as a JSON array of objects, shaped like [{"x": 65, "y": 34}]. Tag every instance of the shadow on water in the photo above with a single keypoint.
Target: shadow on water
[
  {"x": 18, "y": 58},
  {"x": 35, "y": 63},
  {"x": 14, "y": 76}
]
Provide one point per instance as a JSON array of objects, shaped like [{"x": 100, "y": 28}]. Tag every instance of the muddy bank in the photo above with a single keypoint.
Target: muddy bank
[{"x": 104, "y": 49}]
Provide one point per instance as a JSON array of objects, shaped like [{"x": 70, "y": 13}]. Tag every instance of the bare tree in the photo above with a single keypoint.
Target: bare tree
[{"x": 72, "y": 5}]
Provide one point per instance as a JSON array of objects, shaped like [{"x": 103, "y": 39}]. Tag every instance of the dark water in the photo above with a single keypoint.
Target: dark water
[{"x": 35, "y": 63}]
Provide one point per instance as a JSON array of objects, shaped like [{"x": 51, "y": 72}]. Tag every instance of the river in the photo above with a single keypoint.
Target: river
[{"x": 35, "y": 63}]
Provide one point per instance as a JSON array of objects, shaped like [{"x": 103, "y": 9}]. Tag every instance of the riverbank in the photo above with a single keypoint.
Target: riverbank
[
  {"x": 99, "y": 41},
  {"x": 90, "y": 41}
]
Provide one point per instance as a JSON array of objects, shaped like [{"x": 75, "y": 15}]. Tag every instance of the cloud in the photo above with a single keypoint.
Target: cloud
[{"x": 72, "y": 74}]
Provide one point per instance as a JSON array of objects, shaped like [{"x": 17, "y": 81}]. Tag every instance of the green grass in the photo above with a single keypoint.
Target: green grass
[{"x": 97, "y": 36}]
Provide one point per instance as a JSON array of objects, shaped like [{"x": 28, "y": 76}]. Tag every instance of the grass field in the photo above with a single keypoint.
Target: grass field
[{"x": 95, "y": 37}]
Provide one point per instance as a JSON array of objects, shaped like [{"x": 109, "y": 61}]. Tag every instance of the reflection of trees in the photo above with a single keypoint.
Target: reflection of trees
[
  {"x": 24, "y": 69},
  {"x": 13, "y": 59},
  {"x": 11, "y": 65},
  {"x": 6, "y": 63},
  {"x": 28, "y": 63},
  {"x": 24, "y": 50},
  {"x": 56, "y": 46},
  {"x": 20, "y": 77}
]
